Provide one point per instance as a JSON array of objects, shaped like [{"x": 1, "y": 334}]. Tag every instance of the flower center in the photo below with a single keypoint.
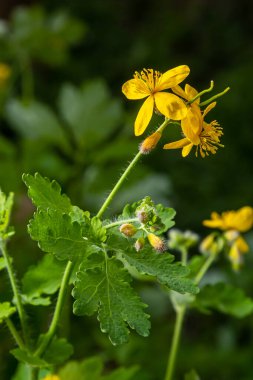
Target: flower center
[
  {"x": 150, "y": 77},
  {"x": 209, "y": 139}
]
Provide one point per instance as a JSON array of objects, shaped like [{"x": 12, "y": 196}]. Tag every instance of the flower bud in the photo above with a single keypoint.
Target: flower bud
[
  {"x": 128, "y": 229},
  {"x": 150, "y": 143},
  {"x": 156, "y": 242},
  {"x": 139, "y": 244},
  {"x": 143, "y": 216}
]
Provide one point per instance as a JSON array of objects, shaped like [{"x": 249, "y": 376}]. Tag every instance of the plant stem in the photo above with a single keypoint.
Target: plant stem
[
  {"x": 14, "y": 286},
  {"x": 184, "y": 255},
  {"x": 118, "y": 184},
  {"x": 34, "y": 371},
  {"x": 57, "y": 313},
  {"x": 180, "y": 312},
  {"x": 15, "y": 334},
  {"x": 119, "y": 222},
  {"x": 204, "y": 268}
]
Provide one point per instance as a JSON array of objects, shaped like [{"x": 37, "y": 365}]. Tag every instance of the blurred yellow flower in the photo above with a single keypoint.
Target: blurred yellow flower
[
  {"x": 51, "y": 377},
  {"x": 151, "y": 84},
  {"x": 240, "y": 220},
  {"x": 5, "y": 72},
  {"x": 206, "y": 137},
  {"x": 233, "y": 222}
]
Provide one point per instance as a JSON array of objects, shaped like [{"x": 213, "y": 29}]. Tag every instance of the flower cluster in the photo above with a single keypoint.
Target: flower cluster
[
  {"x": 177, "y": 106},
  {"x": 233, "y": 224}
]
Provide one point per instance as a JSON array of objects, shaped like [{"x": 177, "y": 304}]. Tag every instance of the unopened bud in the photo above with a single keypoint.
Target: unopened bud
[
  {"x": 128, "y": 229},
  {"x": 142, "y": 216},
  {"x": 150, "y": 143},
  {"x": 156, "y": 242},
  {"x": 139, "y": 244}
]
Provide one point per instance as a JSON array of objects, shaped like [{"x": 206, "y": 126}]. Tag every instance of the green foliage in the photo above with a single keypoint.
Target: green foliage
[
  {"x": 34, "y": 121},
  {"x": 44, "y": 278},
  {"x": 6, "y": 203},
  {"x": 87, "y": 110},
  {"x": 58, "y": 351},
  {"x": 6, "y": 310},
  {"x": 91, "y": 369},
  {"x": 192, "y": 375},
  {"x": 2, "y": 263},
  {"x": 46, "y": 194},
  {"x": 57, "y": 234},
  {"x": 103, "y": 285},
  {"x": 35, "y": 35},
  {"x": 225, "y": 298}
]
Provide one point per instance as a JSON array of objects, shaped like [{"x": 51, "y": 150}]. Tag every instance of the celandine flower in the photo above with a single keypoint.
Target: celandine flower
[
  {"x": 51, "y": 377},
  {"x": 151, "y": 84},
  {"x": 233, "y": 222},
  {"x": 206, "y": 137}
]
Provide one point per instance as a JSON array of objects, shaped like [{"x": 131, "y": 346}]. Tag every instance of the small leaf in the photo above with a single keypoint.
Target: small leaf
[
  {"x": 89, "y": 369},
  {"x": 192, "y": 375},
  {"x": 27, "y": 358},
  {"x": 44, "y": 278},
  {"x": 6, "y": 203},
  {"x": 6, "y": 310},
  {"x": 225, "y": 298},
  {"x": 46, "y": 194},
  {"x": 103, "y": 285},
  {"x": 166, "y": 214},
  {"x": 58, "y": 351},
  {"x": 57, "y": 234}
]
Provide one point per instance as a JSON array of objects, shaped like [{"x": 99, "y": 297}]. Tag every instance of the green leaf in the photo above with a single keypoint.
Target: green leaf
[
  {"x": 6, "y": 203},
  {"x": 225, "y": 298},
  {"x": 24, "y": 357},
  {"x": 192, "y": 375},
  {"x": 44, "y": 278},
  {"x": 46, "y": 194},
  {"x": 166, "y": 214},
  {"x": 103, "y": 285},
  {"x": 90, "y": 112},
  {"x": 89, "y": 369},
  {"x": 58, "y": 351},
  {"x": 2, "y": 263},
  {"x": 6, "y": 310},
  {"x": 161, "y": 266},
  {"x": 57, "y": 234},
  {"x": 34, "y": 121}
]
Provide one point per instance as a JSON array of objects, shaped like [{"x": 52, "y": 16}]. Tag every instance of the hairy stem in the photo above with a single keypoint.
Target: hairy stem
[
  {"x": 118, "y": 184},
  {"x": 15, "y": 334},
  {"x": 15, "y": 290},
  {"x": 175, "y": 343},
  {"x": 119, "y": 222},
  {"x": 57, "y": 313}
]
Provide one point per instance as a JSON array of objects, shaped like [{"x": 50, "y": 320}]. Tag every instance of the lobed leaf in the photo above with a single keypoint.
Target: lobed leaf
[
  {"x": 46, "y": 194},
  {"x": 103, "y": 285},
  {"x": 224, "y": 298},
  {"x": 6, "y": 310}
]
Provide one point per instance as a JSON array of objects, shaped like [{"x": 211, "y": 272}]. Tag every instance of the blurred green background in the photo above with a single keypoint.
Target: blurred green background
[{"x": 62, "y": 113}]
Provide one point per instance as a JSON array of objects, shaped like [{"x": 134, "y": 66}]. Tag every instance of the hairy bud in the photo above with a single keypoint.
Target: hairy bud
[
  {"x": 139, "y": 244},
  {"x": 156, "y": 242},
  {"x": 128, "y": 229},
  {"x": 150, "y": 143}
]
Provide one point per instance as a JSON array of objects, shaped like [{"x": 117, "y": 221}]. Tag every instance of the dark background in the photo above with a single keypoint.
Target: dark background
[{"x": 215, "y": 39}]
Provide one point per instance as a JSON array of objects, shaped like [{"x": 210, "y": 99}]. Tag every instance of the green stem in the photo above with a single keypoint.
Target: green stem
[
  {"x": 202, "y": 93},
  {"x": 215, "y": 97},
  {"x": 34, "y": 372},
  {"x": 119, "y": 222},
  {"x": 14, "y": 286},
  {"x": 184, "y": 255},
  {"x": 204, "y": 268},
  {"x": 175, "y": 342},
  {"x": 118, "y": 184},
  {"x": 15, "y": 334},
  {"x": 57, "y": 313}
]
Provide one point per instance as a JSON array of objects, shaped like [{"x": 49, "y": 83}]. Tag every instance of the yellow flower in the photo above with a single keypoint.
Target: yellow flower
[
  {"x": 151, "y": 84},
  {"x": 233, "y": 222},
  {"x": 5, "y": 73},
  {"x": 240, "y": 220},
  {"x": 206, "y": 137},
  {"x": 51, "y": 377},
  {"x": 188, "y": 93}
]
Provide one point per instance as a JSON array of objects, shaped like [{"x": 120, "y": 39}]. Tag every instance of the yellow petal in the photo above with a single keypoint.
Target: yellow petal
[
  {"x": 135, "y": 89},
  {"x": 177, "y": 144},
  {"x": 179, "y": 91},
  {"x": 186, "y": 150},
  {"x": 191, "y": 93},
  {"x": 192, "y": 124},
  {"x": 144, "y": 116},
  {"x": 170, "y": 105},
  {"x": 241, "y": 245},
  {"x": 209, "y": 108},
  {"x": 243, "y": 219},
  {"x": 172, "y": 77}
]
